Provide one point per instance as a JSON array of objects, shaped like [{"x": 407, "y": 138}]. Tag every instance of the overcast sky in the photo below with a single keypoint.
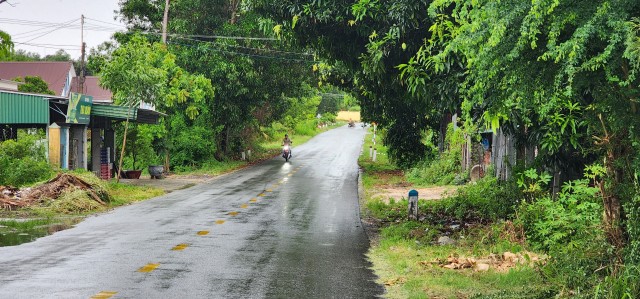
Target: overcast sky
[{"x": 34, "y": 22}]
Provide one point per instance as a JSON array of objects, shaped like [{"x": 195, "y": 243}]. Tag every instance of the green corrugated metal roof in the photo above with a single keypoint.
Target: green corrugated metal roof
[
  {"x": 19, "y": 108},
  {"x": 112, "y": 111}
]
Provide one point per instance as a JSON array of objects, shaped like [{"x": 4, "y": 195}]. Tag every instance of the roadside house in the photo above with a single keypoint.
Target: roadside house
[{"x": 69, "y": 117}]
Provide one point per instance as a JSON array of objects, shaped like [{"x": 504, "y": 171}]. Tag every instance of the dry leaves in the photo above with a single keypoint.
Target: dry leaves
[{"x": 500, "y": 263}]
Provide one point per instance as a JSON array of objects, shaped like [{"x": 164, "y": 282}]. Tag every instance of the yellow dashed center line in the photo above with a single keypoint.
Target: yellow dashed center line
[
  {"x": 234, "y": 213},
  {"x": 269, "y": 190},
  {"x": 104, "y": 295},
  {"x": 261, "y": 194},
  {"x": 244, "y": 206},
  {"x": 219, "y": 221},
  {"x": 180, "y": 247},
  {"x": 149, "y": 267},
  {"x": 253, "y": 200},
  {"x": 203, "y": 233}
]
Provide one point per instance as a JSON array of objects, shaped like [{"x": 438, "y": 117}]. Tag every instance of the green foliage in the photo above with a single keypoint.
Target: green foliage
[
  {"x": 533, "y": 185},
  {"x": 569, "y": 228},
  {"x": 571, "y": 219},
  {"x": 328, "y": 118},
  {"x": 139, "y": 71},
  {"x": 633, "y": 229},
  {"x": 446, "y": 168},
  {"x": 300, "y": 110},
  {"x": 33, "y": 84},
  {"x": 60, "y": 55},
  {"x": 23, "y": 162},
  {"x": 190, "y": 145},
  {"x": 6, "y": 46},
  {"x": 307, "y": 128},
  {"x": 482, "y": 201},
  {"x": 625, "y": 285}
]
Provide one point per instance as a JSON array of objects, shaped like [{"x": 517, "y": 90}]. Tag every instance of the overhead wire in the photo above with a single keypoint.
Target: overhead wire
[
  {"x": 246, "y": 54},
  {"x": 247, "y": 48},
  {"x": 112, "y": 27},
  {"x": 49, "y": 32}
]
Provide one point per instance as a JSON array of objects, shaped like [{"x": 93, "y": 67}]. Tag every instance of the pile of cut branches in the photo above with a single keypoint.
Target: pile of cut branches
[{"x": 13, "y": 198}]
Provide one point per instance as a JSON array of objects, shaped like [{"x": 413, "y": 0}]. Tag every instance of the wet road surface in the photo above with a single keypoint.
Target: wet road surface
[{"x": 275, "y": 230}]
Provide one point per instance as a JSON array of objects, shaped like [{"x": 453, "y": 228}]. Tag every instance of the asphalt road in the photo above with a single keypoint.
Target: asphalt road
[{"x": 275, "y": 230}]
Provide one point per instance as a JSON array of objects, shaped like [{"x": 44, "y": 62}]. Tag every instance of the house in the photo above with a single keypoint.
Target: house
[
  {"x": 92, "y": 88},
  {"x": 57, "y": 74},
  {"x": 71, "y": 117}
]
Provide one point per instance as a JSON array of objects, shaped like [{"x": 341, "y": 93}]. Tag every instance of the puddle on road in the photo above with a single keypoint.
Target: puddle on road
[{"x": 16, "y": 232}]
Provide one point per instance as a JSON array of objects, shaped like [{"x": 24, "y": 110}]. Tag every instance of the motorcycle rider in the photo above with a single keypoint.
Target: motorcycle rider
[{"x": 286, "y": 141}]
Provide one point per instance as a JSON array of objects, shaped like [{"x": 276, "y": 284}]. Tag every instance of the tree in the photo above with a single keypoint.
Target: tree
[
  {"x": 6, "y": 46},
  {"x": 254, "y": 77},
  {"x": 33, "y": 84},
  {"x": 558, "y": 73},
  {"x": 23, "y": 55},
  {"x": 139, "y": 71},
  {"x": 60, "y": 55},
  {"x": 363, "y": 43}
]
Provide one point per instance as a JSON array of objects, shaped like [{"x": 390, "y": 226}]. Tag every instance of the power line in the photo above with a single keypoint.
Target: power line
[
  {"x": 55, "y": 29},
  {"x": 247, "y": 48},
  {"x": 246, "y": 54},
  {"x": 35, "y": 45},
  {"x": 112, "y": 24},
  {"x": 223, "y": 37}
]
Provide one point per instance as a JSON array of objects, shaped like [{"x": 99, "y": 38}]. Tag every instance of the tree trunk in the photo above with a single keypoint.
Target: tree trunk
[
  {"x": 612, "y": 217},
  {"x": 233, "y": 10}
]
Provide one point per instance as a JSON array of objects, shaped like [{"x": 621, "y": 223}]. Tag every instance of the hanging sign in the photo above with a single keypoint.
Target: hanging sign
[{"x": 79, "y": 111}]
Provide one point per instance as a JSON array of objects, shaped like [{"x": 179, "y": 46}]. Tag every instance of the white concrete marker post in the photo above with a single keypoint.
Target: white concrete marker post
[{"x": 413, "y": 205}]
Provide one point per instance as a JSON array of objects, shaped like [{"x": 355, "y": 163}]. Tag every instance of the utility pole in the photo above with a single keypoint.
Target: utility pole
[
  {"x": 82, "y": 51},
  {"x": 164, "y": 22}
]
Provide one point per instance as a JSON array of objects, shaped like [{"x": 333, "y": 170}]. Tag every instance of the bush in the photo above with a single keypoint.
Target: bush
[
  {"x": 486, "y": 200},
  {"x": 23, "y": 162},
  {"x": 307, "y": 128},
  {"x": 569, "y": 228},
  {"x": 444, "y": 170},
  {"x": 625, "y": 285}
]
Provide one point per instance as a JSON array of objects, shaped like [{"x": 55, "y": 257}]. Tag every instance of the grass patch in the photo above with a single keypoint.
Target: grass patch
[
  {"x": 405, "y": 252},
  {"x": 123, "y": 194}
]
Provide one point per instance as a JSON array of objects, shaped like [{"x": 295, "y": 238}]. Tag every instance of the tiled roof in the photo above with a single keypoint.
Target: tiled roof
[
  {"x": 92, "y": 88},
  {"x": 55, "y": 73}
]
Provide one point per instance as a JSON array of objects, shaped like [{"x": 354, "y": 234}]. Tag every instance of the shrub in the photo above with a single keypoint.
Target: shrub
[
  {"x": 446, "y": 168},
  {"x": 569, "y": 229},
  {"x": 486, "y": 200},
  {"x": 23, "y": 161},
  {"x": 307, "y": 128}
]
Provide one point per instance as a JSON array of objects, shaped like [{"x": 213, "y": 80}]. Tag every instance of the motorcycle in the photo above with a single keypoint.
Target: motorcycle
[
  {"x": 352, "y": 124},
  {"x": 286, "y": 153}
]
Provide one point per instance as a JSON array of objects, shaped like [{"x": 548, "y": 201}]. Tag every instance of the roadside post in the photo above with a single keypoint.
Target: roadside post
[
  {"x": 413, "y": 205},
  {"x": 375, "y": 154}
]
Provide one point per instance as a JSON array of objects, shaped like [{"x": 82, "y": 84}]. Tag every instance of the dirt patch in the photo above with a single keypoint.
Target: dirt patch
[{"x": 399, "y": 192}]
